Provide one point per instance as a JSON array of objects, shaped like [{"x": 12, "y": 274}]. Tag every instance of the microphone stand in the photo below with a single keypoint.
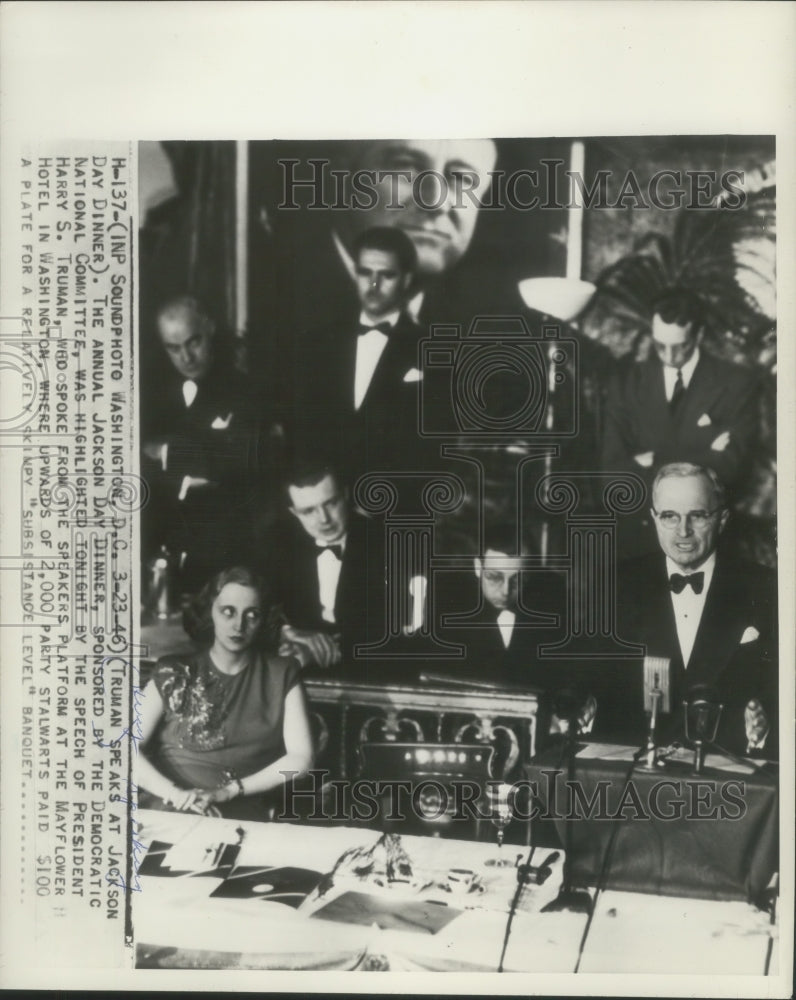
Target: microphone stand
[
  {"x": 548, "y": 458},
  {"x": 651, "y": 750},
  {"x": 569, "y": 899}
]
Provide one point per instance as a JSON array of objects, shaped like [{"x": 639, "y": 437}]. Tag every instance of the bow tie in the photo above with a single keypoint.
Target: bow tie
[
  {"x": 336, "y": 550},
  {"x": 383, "y": 327},
  {"x": 678, "y": 582}
]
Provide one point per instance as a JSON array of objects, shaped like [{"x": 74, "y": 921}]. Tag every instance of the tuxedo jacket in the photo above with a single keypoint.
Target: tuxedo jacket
[
  {"x": 538, "y": 622},
  {"x": 720, "y": 397},
  {"x": 223, "y": 437},
  {"x": 735, "y": 650},
  {"x": 216, "y": 437},
  {"x": 291, "y": 563},
  {"x": 383, "y": 433}
]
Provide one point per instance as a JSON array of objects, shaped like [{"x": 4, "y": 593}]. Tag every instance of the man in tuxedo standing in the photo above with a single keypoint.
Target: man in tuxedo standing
[
  {"x": 681, "y": 404},
  {"x": 358, "y": 395},
  {"x": 713, "y": 617},
  {"x": 201, "y": 425},
  {"x": 327, "y": 568}
]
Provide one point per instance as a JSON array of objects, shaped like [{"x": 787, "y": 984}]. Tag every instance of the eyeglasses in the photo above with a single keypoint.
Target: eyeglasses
[
  {"x": 496, "y": 577},
  {"x": 671, "y": 520}
]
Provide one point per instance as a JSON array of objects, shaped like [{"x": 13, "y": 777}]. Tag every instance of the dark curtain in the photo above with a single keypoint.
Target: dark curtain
[{"x": 188, "y": 242}]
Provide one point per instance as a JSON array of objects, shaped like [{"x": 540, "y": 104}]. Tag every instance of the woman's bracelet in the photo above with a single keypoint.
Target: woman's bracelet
[
  {"x": 235, "y": 780},
  {"x": 231, "y": 778}
]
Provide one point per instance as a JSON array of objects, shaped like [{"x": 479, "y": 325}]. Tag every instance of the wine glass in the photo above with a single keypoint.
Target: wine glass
[{"x": 500, "y": 814}]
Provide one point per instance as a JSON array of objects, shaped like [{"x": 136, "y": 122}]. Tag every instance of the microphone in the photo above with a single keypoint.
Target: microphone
[
  {"x": 702, "y": 710},
  {"x": 657, "y": 698}
]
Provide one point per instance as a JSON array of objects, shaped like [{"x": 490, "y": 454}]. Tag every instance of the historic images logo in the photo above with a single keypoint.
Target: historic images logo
[{"x": 317, "y": 185}]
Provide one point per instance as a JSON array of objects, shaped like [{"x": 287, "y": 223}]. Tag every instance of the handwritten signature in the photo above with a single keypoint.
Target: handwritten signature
[
  {"x": 134, "y": 732},
  {"x": 137, "y": 849}
]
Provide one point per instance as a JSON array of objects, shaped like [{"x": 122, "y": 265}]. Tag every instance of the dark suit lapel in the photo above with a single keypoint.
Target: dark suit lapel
[
  {"x": 717, "y": 636},
  {"x": 653, "y": 399},
  {"x": 698, "y": 395},
  {"x": 306, "y": 577},
  {"x": 352, "y": 572},
  {"x": 482, "y": 637},
  {"x": 346, "y": 371},
  {"x": 398, "y": 356},
  {"x": 660, "y": 627}
]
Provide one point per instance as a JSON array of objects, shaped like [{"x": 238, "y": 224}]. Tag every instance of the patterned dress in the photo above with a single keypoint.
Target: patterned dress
[{"x": 216, "y": 726}]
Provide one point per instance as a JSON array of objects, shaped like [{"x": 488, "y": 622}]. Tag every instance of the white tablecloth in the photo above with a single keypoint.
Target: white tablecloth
[{"x": 178, "y": 924}]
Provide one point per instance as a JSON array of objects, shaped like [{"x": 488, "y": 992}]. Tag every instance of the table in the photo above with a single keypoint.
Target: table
[
  {"x": 714, "y": 835},
  {"x": 178, "y": 923}
]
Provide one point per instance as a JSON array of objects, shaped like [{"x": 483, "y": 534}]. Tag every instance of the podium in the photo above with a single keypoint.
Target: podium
[{"x": 712, "y": 836}]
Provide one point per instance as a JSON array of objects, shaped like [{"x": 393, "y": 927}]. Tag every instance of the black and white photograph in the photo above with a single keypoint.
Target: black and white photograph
[
  {"x": 398, "y": 532},
  {"x": 461, "y": 546}
]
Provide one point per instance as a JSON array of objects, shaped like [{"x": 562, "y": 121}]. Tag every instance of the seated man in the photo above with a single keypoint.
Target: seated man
[
  {"x": 200, "y": 429},
  {"x": 713, "y": 617},
  {"x": 502, "y": 635},
  {"x": 327, "y": 564},
  {"x": 515, "y": 614}
]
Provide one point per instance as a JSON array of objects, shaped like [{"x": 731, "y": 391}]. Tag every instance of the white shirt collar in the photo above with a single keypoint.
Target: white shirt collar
[
  {"x": 327, "y": 545},
  {"x": 505, "y": 622},
  {"x": 391, "y": 318},
  {"x": 688, "y": 606},
  {"x": 189, "y": 391},
  {"x": 687, "y": 372}
]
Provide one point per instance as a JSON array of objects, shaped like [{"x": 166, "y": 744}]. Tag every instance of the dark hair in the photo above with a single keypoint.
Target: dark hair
[
  {"x": 197, "y": 618},
  {"x": 308, "y": 469},
  {"x": 388, "y": 239},
  {"x": 501, "y": 537},
  {"x": 676, "y": 304}
]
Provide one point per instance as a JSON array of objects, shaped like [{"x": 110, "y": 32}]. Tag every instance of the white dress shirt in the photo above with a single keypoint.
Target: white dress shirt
[
  {"x": 370, "y": 347},
  {"x": 189, "y": 390},
  {"x": 329, "y": 567},
  {"x": 506, "y": 620},
  {"x": 688, "y": 606},
  {"x": 687, "y": 372}
]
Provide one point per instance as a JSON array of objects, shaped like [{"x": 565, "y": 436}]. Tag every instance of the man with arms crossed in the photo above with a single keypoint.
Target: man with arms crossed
[{"x": 680, "y": 404}]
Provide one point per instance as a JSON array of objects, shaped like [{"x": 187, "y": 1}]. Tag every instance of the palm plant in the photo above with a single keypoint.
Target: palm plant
[
  {"x": 722, "y": 254},
  {"x": 725, "y": 256}
]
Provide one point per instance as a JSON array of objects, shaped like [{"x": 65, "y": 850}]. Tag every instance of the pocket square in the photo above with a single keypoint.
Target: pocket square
[
  {"x": 413, "y": 375},
  {"x": 750, "y": 634},
  {"x": 704, "y": 421},
  {"x": 221, "y": 423}
]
